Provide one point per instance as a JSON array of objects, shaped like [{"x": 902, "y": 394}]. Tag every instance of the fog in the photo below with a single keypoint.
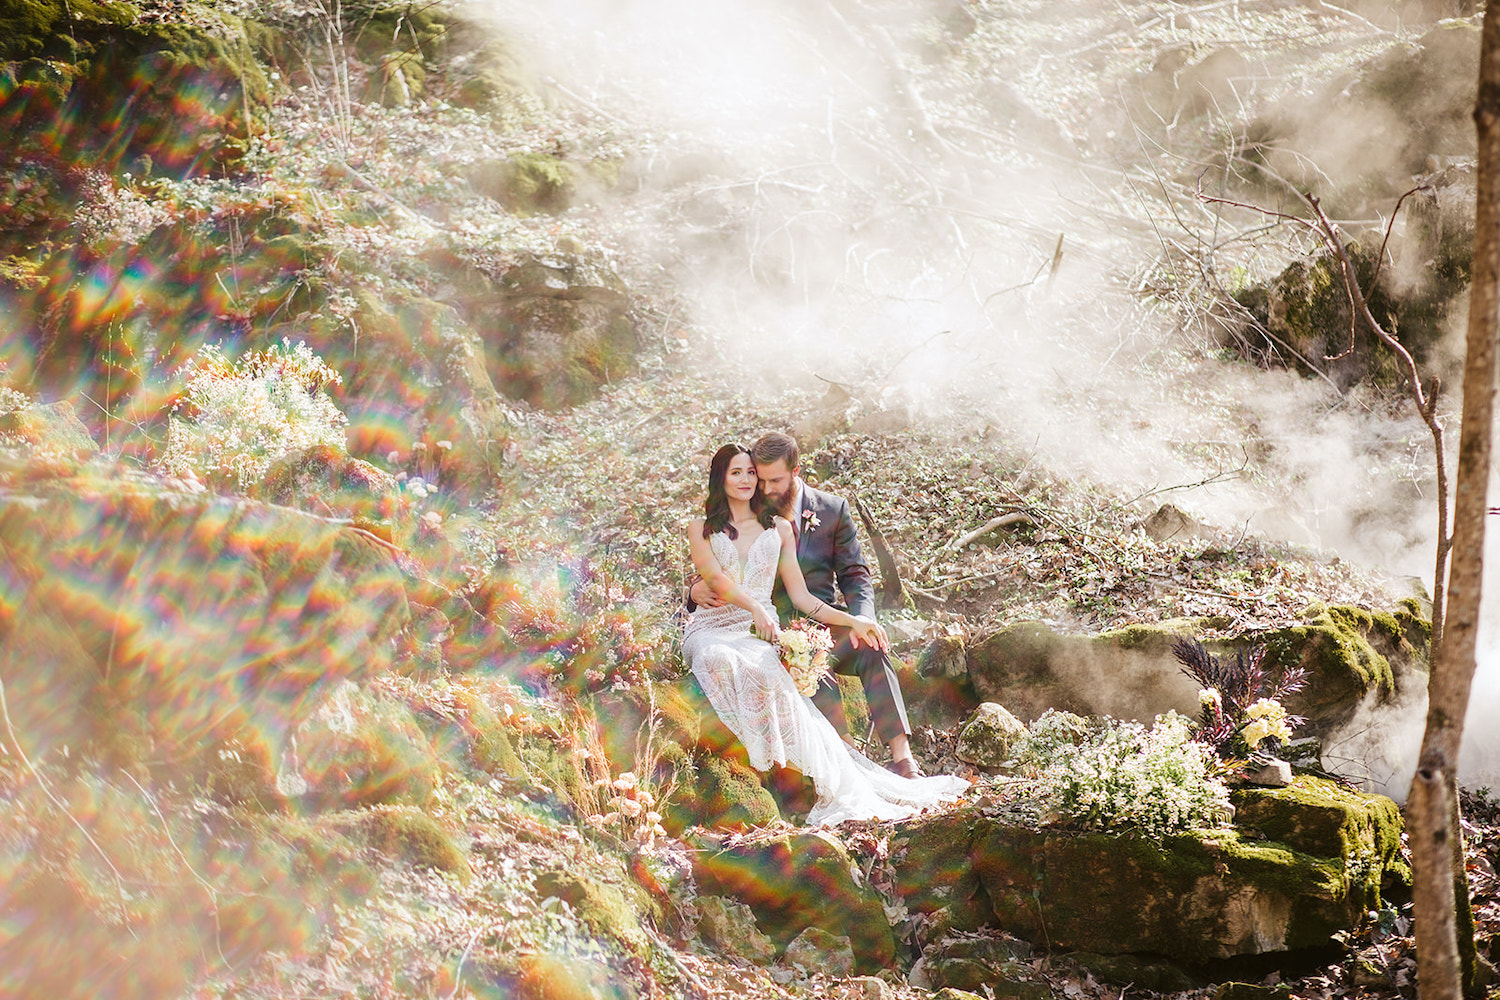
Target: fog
[{"x": 981, "y": 214}]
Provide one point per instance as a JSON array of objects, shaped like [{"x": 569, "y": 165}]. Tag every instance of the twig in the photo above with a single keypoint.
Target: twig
[
  {"x": 1217, "y": 477},
  {"x": 462, "y": 958},
  {"x": 213, "y": 895},
  {"x": 10, "y": 730}
]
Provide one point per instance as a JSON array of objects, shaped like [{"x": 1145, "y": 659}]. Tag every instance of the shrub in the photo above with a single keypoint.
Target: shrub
[
  {"x": 236, "y": 418},
  {"x": 1121, "y": 774}
]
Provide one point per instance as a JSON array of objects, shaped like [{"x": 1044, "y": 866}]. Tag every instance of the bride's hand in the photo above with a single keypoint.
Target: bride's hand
[
  {"x": 766, "y": 627},
  {"x": 867, "y": 632}
]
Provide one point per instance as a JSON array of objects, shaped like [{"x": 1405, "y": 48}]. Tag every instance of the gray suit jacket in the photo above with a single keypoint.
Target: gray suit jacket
[{"x": 828, "y": 552}]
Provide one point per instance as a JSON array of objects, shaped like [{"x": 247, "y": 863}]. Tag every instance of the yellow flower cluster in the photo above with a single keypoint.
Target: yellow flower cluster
[{"x": 1266, "y": 718}]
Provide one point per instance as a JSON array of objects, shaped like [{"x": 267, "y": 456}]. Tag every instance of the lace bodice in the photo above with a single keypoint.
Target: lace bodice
[{"x": 757, "y": 574}]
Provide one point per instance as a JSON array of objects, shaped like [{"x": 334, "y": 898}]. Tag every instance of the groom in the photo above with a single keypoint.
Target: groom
[{"x": 828, "y": 552}]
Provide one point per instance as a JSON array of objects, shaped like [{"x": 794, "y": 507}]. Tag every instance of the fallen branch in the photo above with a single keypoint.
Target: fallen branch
[
  {"x": 890, "y": 575},
  {"x": 1002, "y": 521}
]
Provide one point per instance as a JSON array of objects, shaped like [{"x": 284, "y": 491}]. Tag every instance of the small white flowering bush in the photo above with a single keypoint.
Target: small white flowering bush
[
  {"x": 1116, "y": 774},
  {"x": 236, "y": 418}
]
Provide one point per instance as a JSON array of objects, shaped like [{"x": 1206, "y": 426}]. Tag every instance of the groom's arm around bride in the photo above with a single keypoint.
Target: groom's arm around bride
[{"x": 829, "y": 554}]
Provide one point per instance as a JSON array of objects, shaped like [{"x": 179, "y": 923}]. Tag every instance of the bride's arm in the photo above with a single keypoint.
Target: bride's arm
[
  {"x": 866, "y": 630},
  {"x": 722, "y": 584}
]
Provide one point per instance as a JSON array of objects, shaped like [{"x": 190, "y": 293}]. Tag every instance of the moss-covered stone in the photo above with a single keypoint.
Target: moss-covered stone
[
  {"x": 1194, "y": 897},
  {"x": 363, "y": 747},
  {"x": 527, "y": 183},
  {"x": 1028, "y": 667},
  {"x": 1349, "y": 654},
  {"x": 177, "y": 599},
  {"x": 718, "y": 793},
  {"x": 797, "y": 881},
  {"x": 179, "y": 93},
  {"x": 407, "y": 834},
  {"x": 931, "y": 859},
  {"x": 609, "y": 911}
]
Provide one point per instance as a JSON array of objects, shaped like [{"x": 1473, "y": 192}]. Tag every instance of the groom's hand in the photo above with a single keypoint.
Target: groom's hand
[{"x": 703, "y": 595}]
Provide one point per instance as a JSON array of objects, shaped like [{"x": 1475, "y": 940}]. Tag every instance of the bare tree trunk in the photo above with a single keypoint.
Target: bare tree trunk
[{"x": 1437, "y": 849}]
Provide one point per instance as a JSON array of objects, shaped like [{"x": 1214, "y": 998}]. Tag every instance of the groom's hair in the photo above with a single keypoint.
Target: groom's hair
[{"x": 776, "y": 446}]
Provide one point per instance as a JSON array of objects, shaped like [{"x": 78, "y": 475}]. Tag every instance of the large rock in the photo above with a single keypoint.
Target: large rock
[
  {"x": 989, "y": 735},
  {"x": 176, "y": 622},
  {"x": 1352, "y": 656},
  {"x": 556, "y": 328},
  {"x": 1127, "y": 673},
  {"x": 131, "y": 74},
  {"x": 1301, "y": 864},
  {"x": 794, "y": 881}
]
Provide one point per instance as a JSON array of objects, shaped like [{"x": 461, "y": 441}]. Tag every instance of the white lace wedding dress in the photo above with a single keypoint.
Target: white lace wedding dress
[{"x": 755, "y": 697}]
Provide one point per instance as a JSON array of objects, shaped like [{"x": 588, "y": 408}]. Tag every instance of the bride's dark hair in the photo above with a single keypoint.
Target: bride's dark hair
[{"x": 716, "y": 516}]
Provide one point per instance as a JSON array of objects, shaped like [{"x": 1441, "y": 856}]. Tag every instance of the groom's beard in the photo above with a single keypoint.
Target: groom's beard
[{"x": 781, "y": 503}]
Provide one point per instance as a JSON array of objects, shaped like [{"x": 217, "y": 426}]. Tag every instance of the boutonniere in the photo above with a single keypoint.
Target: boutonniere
[{"x": 810, "y": 520}]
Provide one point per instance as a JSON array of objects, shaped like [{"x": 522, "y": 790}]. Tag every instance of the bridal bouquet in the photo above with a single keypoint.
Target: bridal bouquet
[{"x": 804, "y": 653}]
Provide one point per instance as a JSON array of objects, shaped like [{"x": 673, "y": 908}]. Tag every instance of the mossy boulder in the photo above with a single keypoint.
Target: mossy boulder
[
  {"x": 988, "y": 737},
  {"x": 729, "y": 926},
  {"x": 611, "y": 912},
  {"x": 1193, "y": 898},
  {"x": 1128, "y": 673},
  {"x": 407, "y": 835},
  {"x": 557, "y": 327},
  {"x": 995, "y": 963},
  {"x": 50, "y": 428},
  {"x": 327, "y": 480},
  {"x": 1320, "y": 817},
  {"x": 934, "y": 870},
  {"x": 418, "y": 391},
  {"x": 797, "y": 881},
  {"x": 97, "y": 84},
  {"x": 205, "y": 621},
  {"x": 363, "y": 747},
  {"x": 1351, "y": 655},
  {"x": 527, "y": 183},
  {"x": 1306, "y": 307}
]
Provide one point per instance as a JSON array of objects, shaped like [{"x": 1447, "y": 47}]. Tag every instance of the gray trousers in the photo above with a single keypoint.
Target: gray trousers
[{"x": 882, "y": 690}]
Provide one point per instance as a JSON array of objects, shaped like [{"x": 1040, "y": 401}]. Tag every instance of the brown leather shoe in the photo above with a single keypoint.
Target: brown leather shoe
[{"x": 907, "y": 768}]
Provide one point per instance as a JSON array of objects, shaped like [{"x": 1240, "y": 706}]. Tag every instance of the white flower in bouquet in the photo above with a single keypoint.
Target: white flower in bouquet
[{"x": 804, "y": 653}]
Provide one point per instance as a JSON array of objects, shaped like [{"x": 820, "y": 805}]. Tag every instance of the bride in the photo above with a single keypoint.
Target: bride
[{"x": 739, "y": 547}]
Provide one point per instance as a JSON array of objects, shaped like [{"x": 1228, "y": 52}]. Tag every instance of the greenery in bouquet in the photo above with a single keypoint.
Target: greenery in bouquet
[
  {"x": 1110, "y": 774},
  {"x": 804, "y": 647},
  {"x": 1241, "y": 702}
]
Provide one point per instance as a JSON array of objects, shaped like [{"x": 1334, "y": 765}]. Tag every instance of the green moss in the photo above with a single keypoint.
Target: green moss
[
  {"x": 1322, "y": 817},
  {"x": 605, "y": 173},
  {"x": 1349, "y": 653},
  {"x": 608, "y": 911},
  {"x": 553, "y": 765},
  {"x": 722, "y": 794},
  {"x": 490, "y": 747},
  {"x": 408, "y": 834},
  {"x": 384, "y": 759},
  {"x": 529, "y": 183},
  {"x": 407, "y": 29}
]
